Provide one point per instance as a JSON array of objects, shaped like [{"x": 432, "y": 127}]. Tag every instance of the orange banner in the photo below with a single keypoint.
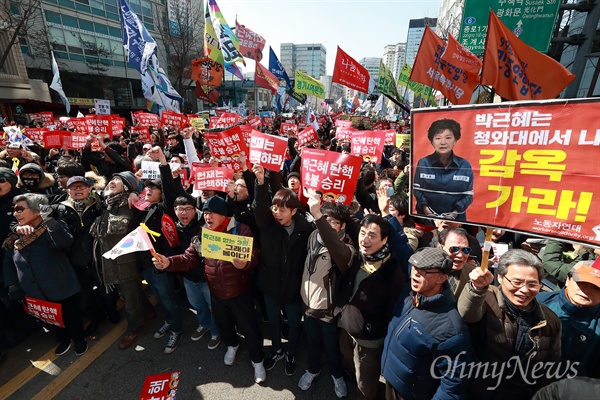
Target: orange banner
[
  {"x": 516, "y": 70},
  {"x": 207, "y": 72},
  {"x": 530, "y": 167}
]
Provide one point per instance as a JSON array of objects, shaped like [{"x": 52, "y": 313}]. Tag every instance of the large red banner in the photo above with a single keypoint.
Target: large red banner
[
  {"x": 173, "y": 119},
  {"x": 343, "y": 133},
  {"x": 147, "y": 119},
  {"x": 251, "y": 43},
  {"x": 265, "y": 78},
  {"x": 368, "y": 145},
  {"x": 142, "y": 133},
  {"x": 530, "y": 167},
  {"x": 331, "y": 173},
  {"x": 36, "y": 134},
  {"x": 350, "y": 73},
  {"x": 267, "y": 150},
  {"x": 226, "y": 120},
  {"x": 307, "y": 135}
]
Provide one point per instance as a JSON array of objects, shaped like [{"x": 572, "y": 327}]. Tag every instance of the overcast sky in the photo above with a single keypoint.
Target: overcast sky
[{"x": 360, "y": 28}]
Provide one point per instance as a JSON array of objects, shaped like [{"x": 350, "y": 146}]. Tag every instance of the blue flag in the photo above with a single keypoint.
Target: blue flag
[
  {"x": 276, "y": 68},
  {"x": 138, "y": 43}
]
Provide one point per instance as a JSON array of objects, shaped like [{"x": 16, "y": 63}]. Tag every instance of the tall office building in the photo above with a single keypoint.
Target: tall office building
[
  {"x": 416, "y": 28},
  {"x": 394, "y": 56},
  {"x": 308, "y": 58}
]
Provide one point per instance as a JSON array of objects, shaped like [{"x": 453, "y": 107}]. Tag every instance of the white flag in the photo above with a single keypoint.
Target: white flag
[
  {"x": 136, "y": 240},
  {"x": 379, "y": 105},
  {"x": 57, "y": 85}
]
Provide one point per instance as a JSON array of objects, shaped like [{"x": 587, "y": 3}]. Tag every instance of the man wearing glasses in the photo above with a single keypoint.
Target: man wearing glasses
[
  {"x": 455, "y": 242},
  {"x": 511, "y": 328},
  {"x": 426, "y": 337}
]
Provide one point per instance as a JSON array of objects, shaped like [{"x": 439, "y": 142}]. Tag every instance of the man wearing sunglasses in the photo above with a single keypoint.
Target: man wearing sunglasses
[
  {"x": 510, "y": 329},
  {"x": 455, "y": 242}
]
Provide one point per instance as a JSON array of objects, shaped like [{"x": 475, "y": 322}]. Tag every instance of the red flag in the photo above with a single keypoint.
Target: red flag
[
  {"x": 355, "y": 103},
  {"x": 516, "y": 70},
  {"x": 265, "y": 78},
  {"x": 251, "y": 43},
  {"x": 350, "y": 73},
  {"x": 437, "y": 66},
  {"x": 207, "y": 93}
]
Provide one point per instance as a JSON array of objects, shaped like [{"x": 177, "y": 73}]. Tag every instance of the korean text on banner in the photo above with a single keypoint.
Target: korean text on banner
[
  {"x": 99, "y": 125},
  {"x": 516, "y": 70},
  {"x": 141, "y": 132},
  {"x": 174, "y": 119},
  {"x": 309, "y": 85},
  {"x": 532, "y": 164},
  {"x": 288, "y": 129},
  {"x": 47, "y": 311},
  {"x": 264, "y": 78},
  {"x": 386, "y": 83},
  {"x": 207, "y": 72},
  {"x": 228, "y": 145},
  {"x": 333, "y": 174},
  {"x": 368, "y": 145},
  {"x": 350, "y": 73},
  {"x": 148, "y": 119},
  {"x": 160, "y": 386},
  {"x": 267, "y": 150},
  {"x": 207, "y": 178},
  {"x": 307, "y": 135},
  {"x": 225, "y": 246},
  {"x": 251, "y": 43}
]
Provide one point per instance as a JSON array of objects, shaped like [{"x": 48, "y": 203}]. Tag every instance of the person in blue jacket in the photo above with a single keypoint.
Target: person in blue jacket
[
  {"x": 427, "y": 341},
  {"x": 443, "y": 182},
  {"x": 578, "y": 307}
]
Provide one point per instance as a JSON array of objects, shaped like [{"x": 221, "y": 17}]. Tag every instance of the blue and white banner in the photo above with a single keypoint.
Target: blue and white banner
[
  {"x": 57, "y": 85},
  {"x": 276, "y": 68},
  {"x": 138, "y": 43}
]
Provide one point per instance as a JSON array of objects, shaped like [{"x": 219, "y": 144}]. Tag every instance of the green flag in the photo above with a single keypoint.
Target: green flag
[
  {"x": 308, "y": 85},
  {"x": 404, "y": 75},
  {"x": 386, "y": 83}
]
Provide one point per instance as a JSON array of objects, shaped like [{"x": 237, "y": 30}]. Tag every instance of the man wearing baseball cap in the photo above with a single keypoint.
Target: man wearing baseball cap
[
  {"x": 578, "y": 307},
  {"x": 426, "y": 337}
]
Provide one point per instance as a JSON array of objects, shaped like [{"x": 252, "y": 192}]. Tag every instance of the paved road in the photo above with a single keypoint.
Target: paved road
[{"x": 105, "y": 372}]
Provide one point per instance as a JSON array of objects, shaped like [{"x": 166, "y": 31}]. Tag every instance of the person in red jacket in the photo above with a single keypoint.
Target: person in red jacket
[{"x": 229, "y": 284}]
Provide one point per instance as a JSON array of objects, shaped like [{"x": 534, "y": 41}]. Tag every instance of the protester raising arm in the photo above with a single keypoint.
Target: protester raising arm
[{"x": 188, "y": 143}]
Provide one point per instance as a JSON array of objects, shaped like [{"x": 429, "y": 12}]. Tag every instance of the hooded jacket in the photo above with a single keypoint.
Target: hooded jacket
[{"x": 47, "y": 185}]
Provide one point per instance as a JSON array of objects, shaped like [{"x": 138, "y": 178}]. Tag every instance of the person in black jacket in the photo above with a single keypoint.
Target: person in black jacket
[
  {"x": 108, "y": 163},
  {"x": 285, "y": 231},
  {"x": 194, "y": 280}
]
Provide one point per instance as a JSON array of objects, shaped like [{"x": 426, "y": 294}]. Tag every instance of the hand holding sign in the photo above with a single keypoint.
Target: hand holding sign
[
  {"x": 239, "y": 264},
  {"x": 259, "y": 172}
]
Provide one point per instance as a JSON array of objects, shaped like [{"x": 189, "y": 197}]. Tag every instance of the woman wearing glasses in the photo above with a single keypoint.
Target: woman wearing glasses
[{"x": 511, "y": 328}]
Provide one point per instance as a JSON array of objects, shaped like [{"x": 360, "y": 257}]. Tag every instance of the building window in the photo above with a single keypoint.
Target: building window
[
  {"x": 69, "y": 21},
  {"x": 53, "y": 17}
]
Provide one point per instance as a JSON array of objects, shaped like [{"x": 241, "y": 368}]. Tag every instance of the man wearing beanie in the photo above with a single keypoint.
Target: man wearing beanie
[
  {"x": 229, "y": 284},
  {"x": 427, "y": 339},
  {"x": 122, "y": 273}
]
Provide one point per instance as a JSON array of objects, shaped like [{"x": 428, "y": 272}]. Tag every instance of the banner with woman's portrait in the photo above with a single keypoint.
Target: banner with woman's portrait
[{"x": 528, "y": 166}]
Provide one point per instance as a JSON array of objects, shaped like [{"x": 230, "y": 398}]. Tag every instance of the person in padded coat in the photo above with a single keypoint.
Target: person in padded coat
[
  {"x": 284, "y": 233},
  {"x": 427, "y": 341}
]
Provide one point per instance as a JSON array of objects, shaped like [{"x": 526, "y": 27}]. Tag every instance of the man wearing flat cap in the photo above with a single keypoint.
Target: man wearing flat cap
[
  {"x": 578, "y": 307},
  {"x": 427, "y": 340}
]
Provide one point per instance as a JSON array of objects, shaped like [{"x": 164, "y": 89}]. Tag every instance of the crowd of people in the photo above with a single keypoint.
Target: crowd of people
[{"x": 374, "y": 290}]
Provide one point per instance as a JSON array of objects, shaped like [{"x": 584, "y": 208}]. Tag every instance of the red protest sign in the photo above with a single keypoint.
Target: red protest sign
[
  {"x": 226, "y": 120},
  {"x": 307, "y": 135},
  {"x": 169, "y": 229},
  {"x": 227, "y": 145},
  {"x": 321, "y": 120},
  {"x": 47, "y": 117},
  {"x": 142, "y": 132},
  {"x": 343, "y": 123},
  {"x": 368, "y": 145},
  {"x": 247, "y": 132},
  {"x": 79, "y": 124},
  {"x": 160, "y": 386},
  {"x": 254, "y": 121},
  {"x": 267, "y": 150},
  {"x": 390, "y": 136},
  {"x": 118, "y": 125},
  {"x": 288, "y": 129},
  {"x": 343, "y": 133},
  {"x": 333, "y": 174},
  {"x": 173, "y": 119},
  {"x": 75, "y": 141},
  {"x": 54, "y": 139},
  {"x": 47, "y": 311},
  {"x": 147, "y": 119},
  {"x": 36, "y": 134},
  {"x": 335, "y": 116},
  {"x": 267, "y": 122},
  {"x": 524, "y": 167},
  {"x": 348, "y": 72},
  {"x": 208, "y": 178},
  {"x": 212, "y": 122},
  {"x": 99, "y": 125}
]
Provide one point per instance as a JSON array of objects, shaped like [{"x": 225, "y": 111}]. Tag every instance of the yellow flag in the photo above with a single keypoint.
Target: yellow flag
[{"x": 308, "y": 85}]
